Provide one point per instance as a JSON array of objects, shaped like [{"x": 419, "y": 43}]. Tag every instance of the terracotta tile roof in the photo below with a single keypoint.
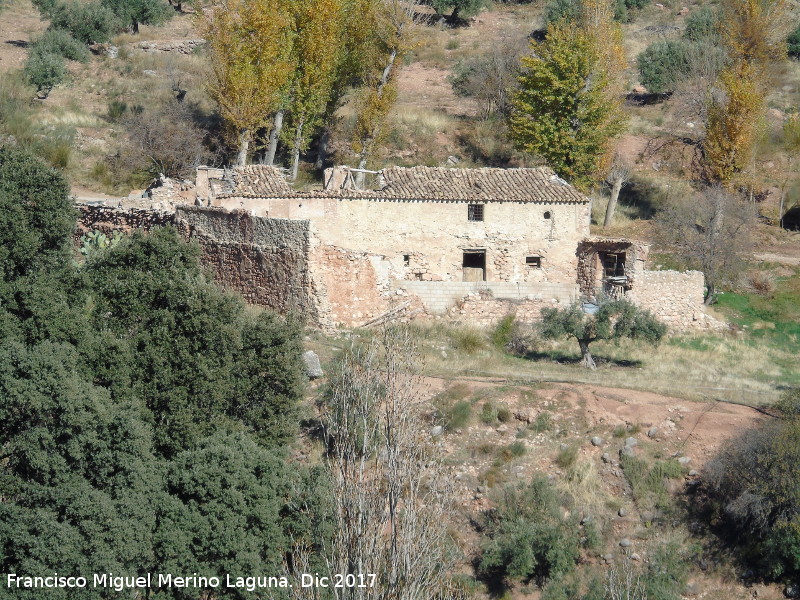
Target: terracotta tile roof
[
  {"x": 257, "y": 181},
  {"x": 538, "y": 184}
]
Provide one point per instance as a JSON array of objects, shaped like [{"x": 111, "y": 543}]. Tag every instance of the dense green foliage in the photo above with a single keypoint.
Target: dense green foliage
[
  {"x": 793, "y": 43},
  {"x": 44, "y": 70},
  {"x": 754, "y": 492},
  {"x": 459, "y": 8},
  {"x": 570, "y": 10},
  {"x": 563, "y": 111},
  {"x": 132, "y": 13},
  {"x": 698, "y": 53},
  {"x": 88, "y": 23},
  {"x": 61, "y": 42},
  {"x": 662, "y": 64},
  {"x": 527, "y": 535},
  {"x": 144, "y": 411},
  {"x": 613, "y": 319}
]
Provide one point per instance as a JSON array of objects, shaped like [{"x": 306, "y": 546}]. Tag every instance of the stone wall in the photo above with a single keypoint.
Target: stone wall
[
  {"x": 439, "y": 297},
  {"x": 265, "y": 260},
  {"x": 483, "y": 310},
  {"x": 435, "y": 234},
  {"x": 179, "y": 46},
  {"x": 108, "y": 219},
  {"x": 675, "y": 298}
]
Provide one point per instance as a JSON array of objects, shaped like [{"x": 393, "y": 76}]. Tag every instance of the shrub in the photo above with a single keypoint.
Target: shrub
[
  {"x": 793, "y": 43},
  {"x": 662, "y": 64},
  {"x": 543, "y": 422},
  {"x": 516, "y": 449},
  {"x": 665, "y": 64},
  {"x": 88, "y": 23},
  {"x": 503, "y": 332},
  {"x": 648, "y": 483},
  {"x": 503, "y": 413},
  {"x": 44, "y": 71},
  {"x": 570, "y": 10},
  {"x": 754, "y": 492},
  {"x": 467, "y": 339},
  {"x": 61, "y": 42},
  {"x": 527, "y": 536},
  {"x": 567, "y": 457},
  {"x": 489, "y": 413},
  {"x": 458, "y": 415},
  {"x": 702, "y": 24}
]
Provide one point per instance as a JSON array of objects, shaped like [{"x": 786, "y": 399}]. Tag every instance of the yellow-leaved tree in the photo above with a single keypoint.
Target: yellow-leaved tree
[
  {"x": 385, "y": 33},
  {"x": 250, "y": 46},
  {"x": 753, "y": 33},
  {"x": 318, "y": 49}
]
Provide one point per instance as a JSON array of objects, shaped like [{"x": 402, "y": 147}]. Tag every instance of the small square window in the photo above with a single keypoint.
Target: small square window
[
  {"x": 406, "y": 259},
  {"x": 534, "y": 262},
  {"x": 475, "y": 212}
]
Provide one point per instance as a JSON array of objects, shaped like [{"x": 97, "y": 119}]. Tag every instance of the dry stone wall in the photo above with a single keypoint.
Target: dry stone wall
[
  {"x": 675, "y": 298},
  {"x": 265, "y": 260},
  {"x": 109, "y": 218}
]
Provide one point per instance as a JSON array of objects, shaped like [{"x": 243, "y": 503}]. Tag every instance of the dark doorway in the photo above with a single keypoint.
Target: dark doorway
[
  {"x": 474, "y": 265},
  {"x": 613, "y": 264}
]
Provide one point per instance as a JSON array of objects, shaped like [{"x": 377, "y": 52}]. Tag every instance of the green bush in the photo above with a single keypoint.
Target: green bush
[
  {"x": 543, "y": 422},
  {"x": 793, "y": 43},
  {"x": 457, "y": 416},
  {"x": 59, "y": 41},
  {"x": 45, "y": 70},
  {"x": 702, "y": 24},
  {"x": 570, "y": 10},
  {"x": 489, "y": 413},
  {"x": 648, "y": 482},
  {"x": 503, "y": 332},
  {"x": 662, "y": 64},
  {"x": 467, "y": 339},
  {"x": 88, "y": 23},
  {"x": 527, "y": 536},
  {"x": 754, "y": 493},
  {"x": 567, "y": 457},
  {"x": 667, "y": 572}
]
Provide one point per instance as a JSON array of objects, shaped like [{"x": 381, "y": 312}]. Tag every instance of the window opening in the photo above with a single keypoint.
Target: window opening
[
  {"x": 534, "y": 262},
  {"x": 475, "y": 212}
]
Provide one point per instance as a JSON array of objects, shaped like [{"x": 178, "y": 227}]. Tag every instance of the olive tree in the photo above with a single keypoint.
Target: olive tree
[{"x": 613, "y": 319}]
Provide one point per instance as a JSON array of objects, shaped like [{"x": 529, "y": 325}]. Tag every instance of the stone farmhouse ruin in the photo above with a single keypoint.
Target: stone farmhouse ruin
[{"x": 467, "y": 244}]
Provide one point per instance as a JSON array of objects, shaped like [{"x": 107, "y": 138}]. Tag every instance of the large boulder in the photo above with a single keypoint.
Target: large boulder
[{"x": 313, "y": 367}]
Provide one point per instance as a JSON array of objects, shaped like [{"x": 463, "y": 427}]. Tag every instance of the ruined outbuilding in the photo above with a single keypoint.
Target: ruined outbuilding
[{"x": 472, "y": 244}]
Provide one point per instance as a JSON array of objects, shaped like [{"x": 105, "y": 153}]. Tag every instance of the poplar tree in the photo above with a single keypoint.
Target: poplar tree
[
  {"x": 385, "y": 35},
  {"x": 754, "y": 34},
  {"x": 250, "y": 46},
  {"x": 319, "y": 25}
]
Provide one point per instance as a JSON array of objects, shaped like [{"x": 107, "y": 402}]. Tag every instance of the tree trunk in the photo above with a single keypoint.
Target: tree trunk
[
  {"x": 133, "y": 27},
  {"x": 277, "y": 125},
  {"x": 362, "y": 164},
  {"x": 244, "y": 145},
  {"x": 612, "y": 201},
  {"x": 298, "y": 140},
  {"x": 586, "y": 356},
  {"x": 370, "y": 139},
  {"x": 322, "y": 149},
  {"x": 711, "y": 295}
]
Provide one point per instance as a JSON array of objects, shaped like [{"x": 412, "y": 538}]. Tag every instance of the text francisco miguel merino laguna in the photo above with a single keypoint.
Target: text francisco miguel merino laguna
[{"x": 120, "y": 583}]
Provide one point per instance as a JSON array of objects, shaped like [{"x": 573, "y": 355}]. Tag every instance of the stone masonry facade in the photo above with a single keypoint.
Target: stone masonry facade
[{"x": 467, "y": 244}]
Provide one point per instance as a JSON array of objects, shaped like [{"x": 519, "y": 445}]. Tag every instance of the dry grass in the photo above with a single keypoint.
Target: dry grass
[{"x": 697, "y": 367}]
